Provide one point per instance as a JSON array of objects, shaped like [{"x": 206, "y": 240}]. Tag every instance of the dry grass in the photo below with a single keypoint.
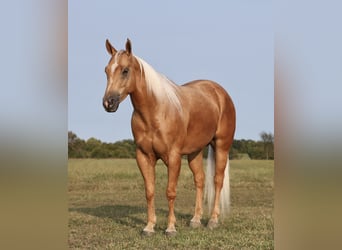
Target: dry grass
[{"x": 107, "y": 208}]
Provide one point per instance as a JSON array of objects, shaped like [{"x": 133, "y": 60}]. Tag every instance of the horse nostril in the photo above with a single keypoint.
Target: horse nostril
[
  {"x": 112, "y": 100},
  {"x": 105, "y": 103},
  {"x": 111, "y": 103}
]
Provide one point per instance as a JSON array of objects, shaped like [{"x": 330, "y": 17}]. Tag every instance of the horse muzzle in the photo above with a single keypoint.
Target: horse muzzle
[{"x": 111, "y": 103}]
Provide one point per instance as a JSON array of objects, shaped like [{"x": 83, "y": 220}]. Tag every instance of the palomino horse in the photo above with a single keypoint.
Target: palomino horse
[{"x": 169, "y": 121}]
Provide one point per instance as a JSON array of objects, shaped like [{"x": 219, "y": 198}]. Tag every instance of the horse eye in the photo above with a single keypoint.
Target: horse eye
[{"x": 125, "y": 72}]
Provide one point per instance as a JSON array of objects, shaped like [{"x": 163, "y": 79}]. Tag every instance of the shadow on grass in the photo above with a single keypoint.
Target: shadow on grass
[
  {"x": 132, "y": 216},
  {"x": 121, "y": 214}
]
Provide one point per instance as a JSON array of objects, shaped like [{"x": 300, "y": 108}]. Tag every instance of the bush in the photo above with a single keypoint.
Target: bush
[{"x": 94, "y": 148}]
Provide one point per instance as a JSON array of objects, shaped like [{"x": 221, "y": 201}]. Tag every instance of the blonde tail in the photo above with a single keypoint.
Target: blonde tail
[
  {"x": 225, "y": 192},
  {"x": 209, "y": 191}
]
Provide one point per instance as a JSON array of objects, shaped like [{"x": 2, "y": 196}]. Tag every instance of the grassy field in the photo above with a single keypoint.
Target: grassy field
[{"x": 107, "y": 207}]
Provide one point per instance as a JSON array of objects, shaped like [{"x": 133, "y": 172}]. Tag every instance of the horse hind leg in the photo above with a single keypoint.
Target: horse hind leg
[
  {"x": 196, "y": 165},
  {"x": 221, "y": 171}
]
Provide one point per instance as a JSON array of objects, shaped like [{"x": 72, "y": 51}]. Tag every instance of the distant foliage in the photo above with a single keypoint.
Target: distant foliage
[
  {"x": 268, "y": 142},
  {"x": 254, "y": 149},
  {"x": 94, "y": 148}
]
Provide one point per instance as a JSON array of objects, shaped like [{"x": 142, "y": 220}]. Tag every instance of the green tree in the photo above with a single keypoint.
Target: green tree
[
  {"x": 268, "y": 141},
  {"x": 91, "y": 144},
  {"x": 94, "y": 148},
  {"x": 99, "y": 152},
  {"x": 75, "y": 146}
]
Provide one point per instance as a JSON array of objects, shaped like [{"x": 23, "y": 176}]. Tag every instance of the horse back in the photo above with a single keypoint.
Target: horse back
[{"x": 209, "y": 93}]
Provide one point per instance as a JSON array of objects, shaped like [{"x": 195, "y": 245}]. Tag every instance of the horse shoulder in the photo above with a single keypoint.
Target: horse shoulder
[{"x": 141, "y": 133}]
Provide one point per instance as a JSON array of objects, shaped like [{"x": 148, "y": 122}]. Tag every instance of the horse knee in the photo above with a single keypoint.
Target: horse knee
[
  {"x": 218, "y": 180},
  {"x": 149, "y": 194},
  {"x": 171, "y": 194},
  {"x": 149, "y": 197},
  {"x": 199, "y": 181}
]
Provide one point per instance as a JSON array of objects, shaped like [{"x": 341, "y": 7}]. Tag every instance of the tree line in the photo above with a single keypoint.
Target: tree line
[{"x": 94, "y": 148}]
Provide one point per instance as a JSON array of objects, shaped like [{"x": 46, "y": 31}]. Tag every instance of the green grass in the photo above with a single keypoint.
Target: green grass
[{"x": 107, "y": 207}]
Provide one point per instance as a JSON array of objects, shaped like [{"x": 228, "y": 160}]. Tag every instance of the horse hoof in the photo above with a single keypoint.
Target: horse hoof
[
  {"x": 212, "y": 224},
  {"x": 195, "y": 224},
  {"x": 170, "y": 233},
  {"x": 147, "y": 233}
]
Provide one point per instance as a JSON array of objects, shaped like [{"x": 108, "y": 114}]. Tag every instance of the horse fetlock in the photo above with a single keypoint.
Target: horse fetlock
[
  {"x": 212, "y": 224},
  {"x": 171, "y": 231},
  {"x": 147, "y": 233},
  {"x": 149, "y": 229},
  {"x": 195, "y": 223}
]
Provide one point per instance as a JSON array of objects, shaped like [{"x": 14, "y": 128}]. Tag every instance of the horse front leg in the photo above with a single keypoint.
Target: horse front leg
[
  {"x": 196, "y": 165},
  {"x": 147, "y": 168},
  {"x": 174, "y": 165}
]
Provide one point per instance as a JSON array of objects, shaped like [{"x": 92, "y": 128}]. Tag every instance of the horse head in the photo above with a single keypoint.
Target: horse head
[{"x": 120, "y": 76}]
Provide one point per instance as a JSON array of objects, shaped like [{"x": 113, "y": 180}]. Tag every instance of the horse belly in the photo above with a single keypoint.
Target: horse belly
[
  {"x": 202, "y": 98},
  {"x": 199, "y": 134}
]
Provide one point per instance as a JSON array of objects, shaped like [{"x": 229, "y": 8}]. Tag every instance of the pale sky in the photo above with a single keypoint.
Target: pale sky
[{"x": 230, "y": 42}]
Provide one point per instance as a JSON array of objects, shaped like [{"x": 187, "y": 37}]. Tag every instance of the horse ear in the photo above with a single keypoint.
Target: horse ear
[
  {"x": 128, "y": 47},
  {"x": 111, "y": 50}
]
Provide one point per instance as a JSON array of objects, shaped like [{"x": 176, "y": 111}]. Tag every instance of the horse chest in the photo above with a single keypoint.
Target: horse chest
[{"x": 152, "y": 139}]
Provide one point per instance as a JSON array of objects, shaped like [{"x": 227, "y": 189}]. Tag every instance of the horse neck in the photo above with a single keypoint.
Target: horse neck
[
  {"x": 141, "y": 101},
  {"x": 152, "y": 102}
]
